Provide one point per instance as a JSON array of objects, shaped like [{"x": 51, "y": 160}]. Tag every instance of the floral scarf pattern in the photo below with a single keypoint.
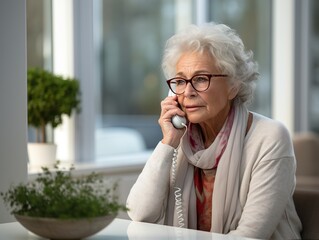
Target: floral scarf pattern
[
  {"x": 225, "y": 154},
  {"x": 204, "y": 179}
]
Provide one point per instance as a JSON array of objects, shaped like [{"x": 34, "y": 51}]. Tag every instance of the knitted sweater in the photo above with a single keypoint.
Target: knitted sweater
[{"x": 267, "y": 182}]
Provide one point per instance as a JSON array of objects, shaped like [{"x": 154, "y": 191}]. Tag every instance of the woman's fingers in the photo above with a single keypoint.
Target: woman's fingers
[{"x": 169, "y": 107}]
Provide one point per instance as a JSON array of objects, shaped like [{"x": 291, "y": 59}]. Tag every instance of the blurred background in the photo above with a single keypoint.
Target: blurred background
[{"x": 114, "y": 48}]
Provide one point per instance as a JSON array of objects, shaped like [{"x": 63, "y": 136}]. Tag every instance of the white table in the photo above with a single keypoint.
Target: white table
[{"x": 121, "y": 229}]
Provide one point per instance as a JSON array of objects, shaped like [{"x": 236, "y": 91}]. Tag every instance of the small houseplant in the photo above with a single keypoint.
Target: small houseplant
[
  {"x": 50, "y": 96},
  {"x": 57, "y": 202}
]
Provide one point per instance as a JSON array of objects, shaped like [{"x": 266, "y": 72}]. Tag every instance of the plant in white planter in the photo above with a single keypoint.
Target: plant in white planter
[
  {"x": 50, "y": 97},
  {"x": 59, "y": 205}
]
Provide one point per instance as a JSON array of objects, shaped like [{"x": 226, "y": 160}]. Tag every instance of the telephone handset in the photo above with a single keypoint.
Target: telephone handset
[{"x": 177, "y": 121}]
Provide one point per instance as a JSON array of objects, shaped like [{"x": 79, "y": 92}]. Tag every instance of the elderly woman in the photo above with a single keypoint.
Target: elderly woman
[{"x": 228, "y": 170}]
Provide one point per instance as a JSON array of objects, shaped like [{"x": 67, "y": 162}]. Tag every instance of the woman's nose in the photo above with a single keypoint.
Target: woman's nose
[{"x": 189, "y": 90}]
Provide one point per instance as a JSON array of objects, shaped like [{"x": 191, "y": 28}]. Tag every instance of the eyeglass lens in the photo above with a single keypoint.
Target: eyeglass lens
[{"x": 199, "y": 83}]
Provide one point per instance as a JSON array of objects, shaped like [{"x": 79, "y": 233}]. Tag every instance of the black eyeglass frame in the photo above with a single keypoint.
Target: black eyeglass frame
[{"x": 210, "y": 76}]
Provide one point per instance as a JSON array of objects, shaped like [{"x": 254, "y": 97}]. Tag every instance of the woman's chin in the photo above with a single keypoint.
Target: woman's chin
[{"x": 194, "y": 120}]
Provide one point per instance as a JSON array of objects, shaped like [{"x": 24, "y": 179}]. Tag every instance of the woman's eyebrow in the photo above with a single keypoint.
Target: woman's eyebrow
[{"x": 181, "y": 74}]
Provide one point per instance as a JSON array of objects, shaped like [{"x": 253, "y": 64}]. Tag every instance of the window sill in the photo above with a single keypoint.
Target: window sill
[{"x": 107, "y": 165}]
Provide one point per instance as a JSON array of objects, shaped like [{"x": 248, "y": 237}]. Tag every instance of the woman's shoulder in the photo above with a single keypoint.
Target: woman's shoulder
[
  {"x": 269, "y": 136},
  {"x": 266, "y": 127}
]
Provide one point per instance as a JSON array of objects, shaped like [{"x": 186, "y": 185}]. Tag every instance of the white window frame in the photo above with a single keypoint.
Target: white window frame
[
  {"x": 63, "y": 64},
  {"x": 302, "y": 75},
  {"x": 283, "y": 62},
  {"x": 73, "y": 56},
  {"x": 85, "y": 69},
  {"x": 290, "y": 102}
]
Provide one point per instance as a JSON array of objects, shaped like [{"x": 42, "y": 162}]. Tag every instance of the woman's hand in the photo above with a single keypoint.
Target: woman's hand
[{"x": 171, "y": 135}]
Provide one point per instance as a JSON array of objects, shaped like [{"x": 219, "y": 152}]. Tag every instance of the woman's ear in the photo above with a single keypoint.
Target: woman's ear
[{"x": 233, "y": 91}]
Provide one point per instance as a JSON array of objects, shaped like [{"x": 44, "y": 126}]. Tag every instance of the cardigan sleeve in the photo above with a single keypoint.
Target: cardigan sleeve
[
  {"x": 148, "y": 197},
  {"x": 270, "y": 189},
  {"x": 271, "y": 184}
]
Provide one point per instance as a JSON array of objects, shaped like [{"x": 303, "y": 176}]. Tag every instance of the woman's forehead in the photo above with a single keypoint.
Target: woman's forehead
[{"x": 195, "y": 61}]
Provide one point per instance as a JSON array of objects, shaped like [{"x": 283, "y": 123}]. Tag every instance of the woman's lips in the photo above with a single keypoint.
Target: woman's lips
[{"x": 192, "y": 108}]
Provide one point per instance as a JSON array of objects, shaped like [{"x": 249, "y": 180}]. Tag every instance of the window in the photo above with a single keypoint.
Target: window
[
  {"x": 39, "y": 41},
  {"x": 313, "y": 66},
  {"x": 39, "y": 34},
  {"x": 252, "y": 21},
  {"x": 129, "y": 37},
  {"x": 131, "y": 84}
]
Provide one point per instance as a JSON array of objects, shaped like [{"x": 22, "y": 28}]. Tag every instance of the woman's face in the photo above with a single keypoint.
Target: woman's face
[{"x": 211, "y": 106}]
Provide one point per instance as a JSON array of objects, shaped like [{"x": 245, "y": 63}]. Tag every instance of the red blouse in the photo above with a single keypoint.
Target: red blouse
[{"x": 204, "y": 187}]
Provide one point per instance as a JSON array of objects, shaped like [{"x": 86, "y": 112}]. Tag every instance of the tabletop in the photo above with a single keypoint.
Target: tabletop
[{"x": 121, "y": 229}]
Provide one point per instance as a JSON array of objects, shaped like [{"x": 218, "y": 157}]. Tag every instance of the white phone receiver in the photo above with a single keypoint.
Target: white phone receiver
[{"x": 177, "y": 121}]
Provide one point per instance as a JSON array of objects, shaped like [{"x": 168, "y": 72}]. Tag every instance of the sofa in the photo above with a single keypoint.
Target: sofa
[{"x": 306, "y": 195}]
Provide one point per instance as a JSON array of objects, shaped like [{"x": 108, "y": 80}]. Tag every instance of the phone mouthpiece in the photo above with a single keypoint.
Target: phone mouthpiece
[{"x": 178, "y": 121}]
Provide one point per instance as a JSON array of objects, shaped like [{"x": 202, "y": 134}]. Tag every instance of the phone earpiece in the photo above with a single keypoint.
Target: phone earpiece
[{"x": 179, "y": 122}]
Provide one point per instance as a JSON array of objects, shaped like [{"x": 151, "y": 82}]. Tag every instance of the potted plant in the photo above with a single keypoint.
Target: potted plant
[
  {"x": 50, "y": 97},
  {"x": 60, "y": 205}
]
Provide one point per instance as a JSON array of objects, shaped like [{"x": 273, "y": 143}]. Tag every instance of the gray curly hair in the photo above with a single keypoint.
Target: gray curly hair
[{"x": 224, "y": 45}]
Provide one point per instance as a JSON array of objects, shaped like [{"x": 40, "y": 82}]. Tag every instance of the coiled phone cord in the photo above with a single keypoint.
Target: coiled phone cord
[{"x": 177, "y": 190}]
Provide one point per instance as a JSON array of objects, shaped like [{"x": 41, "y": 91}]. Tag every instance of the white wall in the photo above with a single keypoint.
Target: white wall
[{"x": 13, "y": 96}]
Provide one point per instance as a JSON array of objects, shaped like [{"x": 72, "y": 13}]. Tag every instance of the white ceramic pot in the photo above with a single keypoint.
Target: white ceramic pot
[
  {"x": 65, "y": 228},
  {"x": 42, "y": 154}
]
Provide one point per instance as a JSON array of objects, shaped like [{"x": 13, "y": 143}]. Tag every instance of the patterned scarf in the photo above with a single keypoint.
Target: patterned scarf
[
  {"x": 225, "y": 152},
  {"x": 204, "y": 179}
]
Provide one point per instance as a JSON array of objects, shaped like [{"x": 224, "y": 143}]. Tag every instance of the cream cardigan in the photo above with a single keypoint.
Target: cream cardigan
[{"x": 267, "y": 184}]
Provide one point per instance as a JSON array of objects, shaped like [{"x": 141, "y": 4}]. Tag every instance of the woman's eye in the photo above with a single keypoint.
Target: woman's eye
[
  {"x": 200, "y": 79},
  {"x": 180, "y": 82}
]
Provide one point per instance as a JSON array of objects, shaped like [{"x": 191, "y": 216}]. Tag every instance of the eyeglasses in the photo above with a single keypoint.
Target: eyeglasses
[{"x": 200, "y": 82}]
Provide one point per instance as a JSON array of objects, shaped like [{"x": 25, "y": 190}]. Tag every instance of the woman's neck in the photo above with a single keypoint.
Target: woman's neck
[{"x": 211, "y": 128}]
